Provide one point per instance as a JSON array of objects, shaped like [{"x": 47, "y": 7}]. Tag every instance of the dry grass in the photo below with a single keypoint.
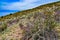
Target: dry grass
[{"x": 32, "y": 24}]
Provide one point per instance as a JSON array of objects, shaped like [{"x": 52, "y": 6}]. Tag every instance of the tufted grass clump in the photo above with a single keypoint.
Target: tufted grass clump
[{"x": 3, "y": 27}]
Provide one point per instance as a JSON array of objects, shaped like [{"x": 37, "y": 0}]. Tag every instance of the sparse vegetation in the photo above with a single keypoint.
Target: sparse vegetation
[{"x": 39, "y": 23}]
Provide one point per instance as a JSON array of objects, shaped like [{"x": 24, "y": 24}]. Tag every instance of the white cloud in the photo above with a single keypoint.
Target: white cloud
[{"x": 26, "y": 4}]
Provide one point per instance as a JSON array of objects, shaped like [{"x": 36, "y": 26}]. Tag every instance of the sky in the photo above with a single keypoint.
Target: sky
[{"x": 12, "y": 6}]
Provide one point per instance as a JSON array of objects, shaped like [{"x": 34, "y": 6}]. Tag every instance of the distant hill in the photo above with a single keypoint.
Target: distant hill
[{"x": 40, "y": 23}]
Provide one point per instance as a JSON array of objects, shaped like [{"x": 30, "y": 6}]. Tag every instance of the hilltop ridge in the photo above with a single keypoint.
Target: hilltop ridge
[{"x": 20, "y": 13}]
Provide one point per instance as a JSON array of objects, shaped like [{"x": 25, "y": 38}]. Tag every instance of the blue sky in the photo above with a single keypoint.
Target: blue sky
[{"x": 11, "y": 6}]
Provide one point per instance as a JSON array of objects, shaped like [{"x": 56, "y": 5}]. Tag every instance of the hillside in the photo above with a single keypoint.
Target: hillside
[{"x": 40, "y": 23}]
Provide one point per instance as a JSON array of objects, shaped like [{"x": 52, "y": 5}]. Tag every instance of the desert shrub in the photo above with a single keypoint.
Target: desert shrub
[
  {"x": 50, "y": 22},
  {"x": 3, "y": 27},
  {"x": 1, "y": 16},
  {"x": 36, "y": 37},
  {"x": 47, "y": 27},
  {"x": 10, "y": 14}
]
